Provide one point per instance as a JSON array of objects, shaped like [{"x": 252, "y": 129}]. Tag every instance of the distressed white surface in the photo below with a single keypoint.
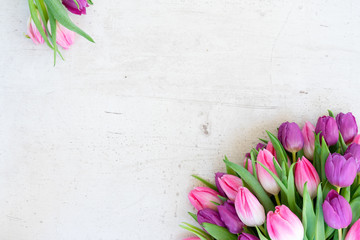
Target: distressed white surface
[{"x": 103, "y": 145}]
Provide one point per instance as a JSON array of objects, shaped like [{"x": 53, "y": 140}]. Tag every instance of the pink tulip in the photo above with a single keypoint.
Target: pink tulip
[
  {"x": 267, "y": 181},
  {"x": 64, "y": 37},
  {"x": 354, "y": 232},
  {"x": 270, "y": 148},
  {"x": 230, "y": 184},
  {"x": 33, "y": 32},
  {"x": 357, "y": 139},
  {"x": 249, "y": 164},
  {"x": 308, "y": 133},
  {"x": 248, "y": 208},
  {"x": 306, "y": 172},
  {"x": 284, "y": 224},
  {"x": 203, "y": 197}
]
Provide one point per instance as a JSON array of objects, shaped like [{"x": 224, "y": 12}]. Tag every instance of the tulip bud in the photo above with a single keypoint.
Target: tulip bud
[
  {"x": 64, "y": 37},
  {"x": 347, "y": 126},
  {"x": 308, "y": 133},
  {"x": 284, "y": 224},
  {"x": 208, "y": 215},
  {"x": 328, "y": 128},
  {"x": 33, "y": 32},
  {"x": 230, "y": 185},
  {"x": 354, "y": 232},
  {"x": 248, "y": 208},
  {"x": 291, "y": 137},
  {"x": 357, "y": 139},
  {"x": 354, "y": 150},
  {"x": 230, "y": 218},
  {"x": 305, "y": 172},
  {"x": 248, "y": 162},
  {"x": 260, "y": 146},
  {"x": 337, "y": 211},
  {"x": 266, "y": 180},
  {"x": 218, "y": 175},
  {"x": 271, "y": 149},
  {"x": 72, "y": 7},
  {"x": 340, "y": 170},
  {"x": 247, "y": 236},
  {"x": 203, "y": 197}
]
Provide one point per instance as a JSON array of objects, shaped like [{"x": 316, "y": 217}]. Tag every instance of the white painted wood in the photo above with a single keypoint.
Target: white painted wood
[{"x": 102, "y": 146}]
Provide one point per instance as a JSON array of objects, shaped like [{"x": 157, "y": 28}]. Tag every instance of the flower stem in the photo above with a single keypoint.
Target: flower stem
[
  {"x": 262, "y": 229},
  {"x": 294, "y": 157},
  {"x": 340, "y": 233},
  {"x": 277, "y": 200}
]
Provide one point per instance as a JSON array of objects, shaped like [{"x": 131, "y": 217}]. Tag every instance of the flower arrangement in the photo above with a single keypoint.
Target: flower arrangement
[
  {"x": 302, "y": 184},
  {"x": 50, "y": 23}
]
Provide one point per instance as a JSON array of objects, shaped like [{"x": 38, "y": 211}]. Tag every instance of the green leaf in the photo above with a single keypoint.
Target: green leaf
[
  {"x": 345, "y": 192},
  {"x": 356, "y": 193},
  {"x": 342, "y": 143},
  {"x": 53, "y": 35},
  {"x": 197, "y": 231},
  {"x": 264, "y": 140},
  {"x": 253, "y": 159},
  {"x": 323, "y": 157},
  {"x": 280, "y": 151},
  {"x": 355, "y": 207},
  {"x": 77, "y": 4},
  {"x": 260, "y": 234},
  {"x": 253, "y": 184},
  {"x": 327, "y": 188},
  {"x": 193, "y": 215},
  {"x": 308, "y": 215},
  {"x": 61, "y": 15},
  {"x": 90, "y": 2},
  {"x": 319, "y": 226},
  {"x": 278, "y": 169},
  {"x": 328, "y": 231},
  {"x": 210, "y": 185},
  {"x": 219, "y": 233},
  {"x": 291, "y": 192},
  {"x": 317, "y": 154},
  {"x": 331, "y": 113},
  {"x": 277, "y": 180}
]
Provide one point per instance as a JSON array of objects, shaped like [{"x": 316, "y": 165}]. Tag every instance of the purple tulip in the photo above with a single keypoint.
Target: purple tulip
[
  {"x": 354, "y": 150},
  {"x": 347, "y": 126},
  {"x": 337, "y": 211},
  {"x": 328, "y": 128},
  {"x": 230, "y": 218},
  {"x": 260, "y": 146},
  {"x": 220, "y": 190},
  {"x": 72, "y": 7},
  {"x": 340, "y": 170},
  {"x": 291, "y": 137},
  {"x": 208, "y": 215},
  {"x": 247, "y": 236}
]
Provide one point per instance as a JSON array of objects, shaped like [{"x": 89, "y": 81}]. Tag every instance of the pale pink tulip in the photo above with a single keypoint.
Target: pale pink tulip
[
  {"x": 230, "y": 184},
  {"x": 306, "y": 172},
  {"x": 267, "y": 181},
  {"x": 33, "y": 32},
  {"x": 203, "y": 197},
  {"x": 64, "y": 37},
  {"x": 308, "y": 133},
  {"x": 249, "y": 164}
]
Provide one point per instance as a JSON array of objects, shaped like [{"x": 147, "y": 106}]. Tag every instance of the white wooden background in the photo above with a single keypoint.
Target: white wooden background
[{"x": 102, "y": 146}]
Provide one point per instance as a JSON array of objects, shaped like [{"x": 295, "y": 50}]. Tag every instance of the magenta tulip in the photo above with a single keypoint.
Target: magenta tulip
[
  {"x": 354, "y": 232},
  {"x": 354, "y": 150},
  {"x": 266, "y": 180},
  {"x": 230, "y": 184},
  {"x": 229, "y": 217},
  {"x": 218, "y": 175},
  {"x": 33, "y": 32},
  {"x": 328, "y": 129},
  {"x": 284, "y": 224},
  {"x": 337, "y": 211},
  {"x": 248, "y": 208},
  {"x": 308, "y": 133},
  {"x": 347, "y": 126},
  {"x": 340, "y": 170},
  {"x": 247, "y": 236},
  {"x": 203, "y": 197},
  {"x": 72, "y": 7},
  {"x": 291, "y": 137},
  {"x": 357, "y": 139},
  {"x": 306, "y": 172}
]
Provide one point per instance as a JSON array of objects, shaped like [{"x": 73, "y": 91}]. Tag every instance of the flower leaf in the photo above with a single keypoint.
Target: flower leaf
[
  {"x": 308, "y": 215},
  {"x": 197, "y": 231},
  {"x": 319, "y": 226},
  {"x": 219, "y": 233},
  {"x": 210, "y": 185}
]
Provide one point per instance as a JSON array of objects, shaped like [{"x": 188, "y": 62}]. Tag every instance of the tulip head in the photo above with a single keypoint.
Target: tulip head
[
  {"x": 308, "y": 133},
  {"x": 271, "y": 149},
  {"x": 340, "y": 170},
  {"x": 306, "y": 172},
  {"x": 203, "y": 197},
  {"x": 284, "y": 224},
  {"x": 64, "y": 37},
  {"x": 354, "y": 150},
  {"x": 347, "y": 126},
  {"x": 248, "y": 164},
  {"x": 208, "y": 215},
  {"x": 266, "y": 180},
  {"x": 247, "y": 236},
  {"x": 291, "y": 137},
  {"x": 260, "y": 146},
  {"x": 72, "y": 7},
  {"x": 354, "y": 232},
  {"x": 33, "y": 32},
  {"x": 230, "y": 184},
  {"x": 357, "y": 139},
  {"x": 218, "y": 175},
  {"x": 328, "y": 128},
  {"x": 337, "y": 211},
  {"x": 248, "y": 208},
  {"x": 229, "y": 217}
]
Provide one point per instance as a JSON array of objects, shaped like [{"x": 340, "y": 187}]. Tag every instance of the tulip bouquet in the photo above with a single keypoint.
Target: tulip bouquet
[
  {"x": 302, "y": 184},
  {"x": 49, "y": 22}
]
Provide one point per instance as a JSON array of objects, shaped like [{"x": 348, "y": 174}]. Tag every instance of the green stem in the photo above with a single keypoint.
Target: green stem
[
  {"x": 294, "y": 157},
  {"x": 262, "y": 230},
  {"x": 277, "y": 200},
  {"x": 340, "y": 233}
]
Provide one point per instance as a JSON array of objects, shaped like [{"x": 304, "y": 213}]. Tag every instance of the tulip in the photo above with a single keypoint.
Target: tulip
[
  {"x": 203, "y": 197},
  {"x": 305, "y": 172},
  {"x": 208, "y": 215},
  {"x": 270, "y": 148},
  {"x": 230, "y": 185},
  {"x": 248, "y": 208},
  {"x": 266, "y": 180},
  {"x": 357, "y": 139},
  {"x": 354, "y": 232},
  {"x": 248, "y": 162},
  {"x": 260, "y": 146},
  {"x": 328, "y": 128},
  {"x": 33, "y": 32},
  {"x": 72, "y": 7},
  {"x": 64, "y": 37},
  {"x": 230, "y": 218},
  {"x": 291, "y": 137},
  {"x": 354, "y": 150},
  {"x": 284, "y": 224},
  {"x": 340, "y": 170},
  {"x": 217, "y": 176},
  {"x": 192, "y": 238},
  {"x": 347, "y": 126},
  {"x": 308, "y": 133},
  {"x": 337, "y": 211},
  {"x": 247, "y": 236}
]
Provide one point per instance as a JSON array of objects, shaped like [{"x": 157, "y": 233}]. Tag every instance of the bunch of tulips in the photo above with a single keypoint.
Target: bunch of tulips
[
  {"x": 50, "y": 23},
  {"x": 302, "y": 184}
]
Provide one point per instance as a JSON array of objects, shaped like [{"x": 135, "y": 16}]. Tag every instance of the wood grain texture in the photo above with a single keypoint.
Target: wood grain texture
[{"x": 102, "y": 146}]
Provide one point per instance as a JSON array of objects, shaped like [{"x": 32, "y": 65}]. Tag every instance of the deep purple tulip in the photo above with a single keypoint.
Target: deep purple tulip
[
  {"x": 208, "y": 215},
  {"x": 340, "y": 170},
  {"x": 260, "y": 146},
  {"x": 347, "y": 126},
  {"x": 247, "y": 236},
  {"x": 337, "y": 211},
  {"x": 291, "y": 137},
  {"x": 328, "y": 128},
  {"x": 354, "y": 150},
  {"x": 72, "y": 7},
  {"x": 230, "y": 218},
  {"x": 220, "y": 190}
]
